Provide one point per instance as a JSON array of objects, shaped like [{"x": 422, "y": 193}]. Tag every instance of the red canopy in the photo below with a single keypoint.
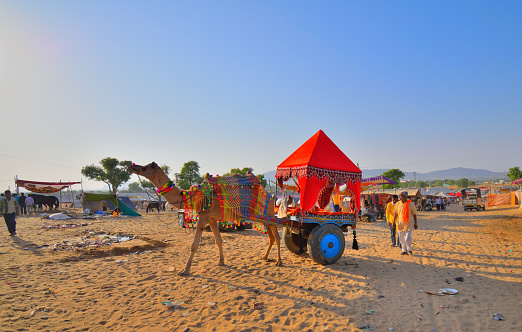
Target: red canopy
[{"x": 318, "y": 165}]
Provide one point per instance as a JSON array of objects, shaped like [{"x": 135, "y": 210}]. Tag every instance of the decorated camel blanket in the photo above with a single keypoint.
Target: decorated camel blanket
[{"x": 241, "y": 199}]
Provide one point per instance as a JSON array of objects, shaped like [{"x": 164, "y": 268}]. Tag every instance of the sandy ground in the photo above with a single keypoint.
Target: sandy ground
[{"x": 121, "y": 287}]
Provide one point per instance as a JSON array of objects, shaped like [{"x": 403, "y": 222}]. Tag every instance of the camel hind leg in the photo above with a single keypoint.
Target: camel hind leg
[{"x": 219, "y": 242}]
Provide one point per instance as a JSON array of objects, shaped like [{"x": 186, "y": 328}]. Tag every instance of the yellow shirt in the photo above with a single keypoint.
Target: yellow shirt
[
  {"x": 399, "y": 210},
  {"x": 389, "y": 212}
]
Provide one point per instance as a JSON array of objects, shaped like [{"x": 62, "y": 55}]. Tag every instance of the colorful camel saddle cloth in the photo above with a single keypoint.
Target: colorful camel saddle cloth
[{"x": 240, "y": 199}]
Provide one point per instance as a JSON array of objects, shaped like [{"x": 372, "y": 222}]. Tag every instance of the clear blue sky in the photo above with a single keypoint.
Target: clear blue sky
[{"x": 415, "y": 85}]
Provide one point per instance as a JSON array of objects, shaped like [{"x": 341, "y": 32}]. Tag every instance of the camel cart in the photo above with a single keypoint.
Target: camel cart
[{"x": 318, "y": 168}]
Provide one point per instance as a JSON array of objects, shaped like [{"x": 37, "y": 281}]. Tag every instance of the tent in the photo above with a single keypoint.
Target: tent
[
  {"x": 376, "y": 181},
  {"x": 43, "y": 187},
  {"x": 126, "y": 210},
  {"x": 319, "y": 165}
]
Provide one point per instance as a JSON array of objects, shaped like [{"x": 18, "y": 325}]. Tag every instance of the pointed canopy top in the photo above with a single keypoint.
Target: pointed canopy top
[{"x": 319, "y": 151}]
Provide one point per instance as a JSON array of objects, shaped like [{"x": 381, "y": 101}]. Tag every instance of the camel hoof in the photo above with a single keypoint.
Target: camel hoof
[
  {"x": 183, "y": 273},
  {"x": 220, "y": 264},
  {"x": 265, "y": 258},
  {"x": 279, "y": 263}
]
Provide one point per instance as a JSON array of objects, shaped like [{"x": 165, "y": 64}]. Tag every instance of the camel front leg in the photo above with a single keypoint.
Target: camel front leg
[
  {"x": 277, "y": 238},
  {"x": 194, "y": 247},
  {"x": 219, "y": 242}
]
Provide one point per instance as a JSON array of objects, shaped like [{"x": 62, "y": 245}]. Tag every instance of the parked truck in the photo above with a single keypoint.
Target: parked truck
[{"x": 472, "y": 199}]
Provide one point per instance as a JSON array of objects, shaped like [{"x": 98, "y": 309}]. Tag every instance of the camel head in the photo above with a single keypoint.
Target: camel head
[{"x": 148, "y": 171}]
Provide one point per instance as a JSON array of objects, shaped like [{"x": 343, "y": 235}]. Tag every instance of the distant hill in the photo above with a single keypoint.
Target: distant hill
[{"x": 449, "y": 174}]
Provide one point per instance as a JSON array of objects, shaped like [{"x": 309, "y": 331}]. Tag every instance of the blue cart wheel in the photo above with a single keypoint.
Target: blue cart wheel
[
  {"x": 330, "y": 245},
  {"x": 326, "y": 244}
]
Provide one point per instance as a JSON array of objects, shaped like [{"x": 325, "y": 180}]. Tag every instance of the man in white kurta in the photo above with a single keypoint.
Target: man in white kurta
[{"x": 405, "y": 217}]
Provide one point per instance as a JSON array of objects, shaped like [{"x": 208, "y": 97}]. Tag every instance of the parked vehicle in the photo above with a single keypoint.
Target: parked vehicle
[{"x": 472, "y": 199}]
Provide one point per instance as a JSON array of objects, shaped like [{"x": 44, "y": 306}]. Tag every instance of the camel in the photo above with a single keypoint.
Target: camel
[{"x": 210, "y": 216}]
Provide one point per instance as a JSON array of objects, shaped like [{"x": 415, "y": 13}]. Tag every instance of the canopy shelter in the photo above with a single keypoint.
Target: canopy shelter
[
  {"x": 116, "y": 202},
  {"x": 317, "y": 167},
  {"x": 43, "y": 187},
  {"x": 441, "y": 194},
  {"x": 374, "y": 182},
  {"x": 517, "y": 181}
]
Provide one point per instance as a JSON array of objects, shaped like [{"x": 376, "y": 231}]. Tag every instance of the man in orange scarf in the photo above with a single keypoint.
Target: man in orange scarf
[{"x": 405, "y": 217}]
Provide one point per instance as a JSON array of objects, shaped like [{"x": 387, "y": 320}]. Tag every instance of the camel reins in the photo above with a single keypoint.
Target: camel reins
[{"x": 181, "y": 191}]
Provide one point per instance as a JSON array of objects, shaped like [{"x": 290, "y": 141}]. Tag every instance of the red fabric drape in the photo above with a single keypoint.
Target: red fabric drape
[{"x": 310, "y": 189}]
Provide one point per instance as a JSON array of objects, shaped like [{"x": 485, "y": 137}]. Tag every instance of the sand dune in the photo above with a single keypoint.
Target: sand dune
[{"x": 121, "y": 287}]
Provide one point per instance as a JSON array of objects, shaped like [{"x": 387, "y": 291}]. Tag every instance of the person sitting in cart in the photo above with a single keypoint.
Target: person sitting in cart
[{"x": 367, "y": 211}]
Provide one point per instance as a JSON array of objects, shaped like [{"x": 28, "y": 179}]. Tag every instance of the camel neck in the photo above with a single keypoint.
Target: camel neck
[{"x": 174, "y": 196}]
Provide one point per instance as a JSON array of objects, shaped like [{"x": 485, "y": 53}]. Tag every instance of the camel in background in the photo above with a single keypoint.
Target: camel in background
[{"x": 210, "y": 216}]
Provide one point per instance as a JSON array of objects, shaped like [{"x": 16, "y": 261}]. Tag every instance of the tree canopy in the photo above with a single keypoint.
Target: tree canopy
[
  {"x": 189, "y": 175},
  {"x": 244, "y": 171},
  {"x": 463, "y": 183},
  {"x": 514, "y": 173},
  {"x": 113, "y": 172},
  {"x": 394, "y": 175},
  {"x": 135, "y": 188}
]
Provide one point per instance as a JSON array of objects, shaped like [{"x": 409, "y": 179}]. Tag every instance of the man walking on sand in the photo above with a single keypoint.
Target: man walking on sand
[
  {"x": 21, "y": 204},
  {"x": 406, "y": 220},
  {"x": 29, "y": 202},
  {"x": 390, "y": 220},
  {"x": 9, "y": 208}
]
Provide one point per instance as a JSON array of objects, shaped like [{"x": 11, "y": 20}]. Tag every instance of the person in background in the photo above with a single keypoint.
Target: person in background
[
  {"x": 290, "y": 201},
  {"x": 438, "y": 203},
  {"x": 21, "y": 204},
  {"x": 9, "y": 208},
  {"x": 29, "y": 203},
  {"x": 390, "y": 220},
  {"x": 404, "y": 212},
  {"x": 336, "y": 202},
  {"x": 366, "y": 211}
]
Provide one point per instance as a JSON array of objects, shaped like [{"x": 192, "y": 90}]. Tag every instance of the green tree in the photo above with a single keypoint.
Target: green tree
[
  {"x": 135, "y": 188},
  {"x": 244, "y": 171},
  {"x": 438, "y": 183},
  {"x": 471, "y": 183},
  {"x": 189, "y": 175},
  {"x": 394, "y": 175},
  {"x": 262, "y": 179},
  {"x": 113, "y": 172},
  {"x": 450, "y": 182},
  {"x": 514, "y": 174},
  {"x": 463, "y": 183},
  {"x": 422, "y": 184}
]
